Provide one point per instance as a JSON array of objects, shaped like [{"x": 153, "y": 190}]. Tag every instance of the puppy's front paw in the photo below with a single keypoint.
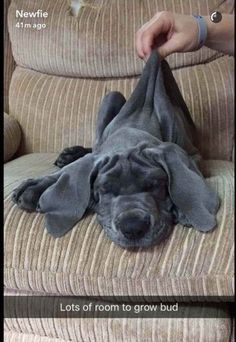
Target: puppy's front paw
[
  {"x": 27, "y": 195},
  {"x": 70, "y": 154}
]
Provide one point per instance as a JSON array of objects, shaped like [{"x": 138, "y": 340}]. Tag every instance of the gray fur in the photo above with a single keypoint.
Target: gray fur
[{"x": 142, "y": 175}]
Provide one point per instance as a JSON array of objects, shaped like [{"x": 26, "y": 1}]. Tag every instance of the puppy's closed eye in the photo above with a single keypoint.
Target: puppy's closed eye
[
  {"x": 158, "y": 187},
  {"x": 154, "y": 183}
]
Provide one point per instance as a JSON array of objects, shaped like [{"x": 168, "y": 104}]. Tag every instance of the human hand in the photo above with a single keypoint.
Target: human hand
[{"x": 168, "y": 33}]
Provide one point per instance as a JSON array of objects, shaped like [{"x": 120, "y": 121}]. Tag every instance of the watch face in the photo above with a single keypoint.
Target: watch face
[{"x": 216, "y": 17}]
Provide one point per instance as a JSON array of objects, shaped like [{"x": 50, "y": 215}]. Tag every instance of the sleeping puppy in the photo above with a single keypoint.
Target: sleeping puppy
[{"x": 141, "y": 177}]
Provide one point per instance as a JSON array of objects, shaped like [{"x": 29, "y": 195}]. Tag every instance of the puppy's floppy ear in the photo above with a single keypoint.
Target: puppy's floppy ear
[
  {"x": 196, "y": 203},
  {"x": 65, "y": 202}
]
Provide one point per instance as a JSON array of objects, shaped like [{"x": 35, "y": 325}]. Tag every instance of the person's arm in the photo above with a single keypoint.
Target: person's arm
[
  {"x": 169, "y": 33},
  {"x": 220, "y": 36}
]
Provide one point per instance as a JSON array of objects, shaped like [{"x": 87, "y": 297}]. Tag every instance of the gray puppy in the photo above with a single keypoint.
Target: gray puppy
[{"x": 141, "y": 176}]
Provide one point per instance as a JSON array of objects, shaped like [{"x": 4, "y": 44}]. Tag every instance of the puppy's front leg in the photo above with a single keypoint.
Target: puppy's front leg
[
  {"x": 110, "y": 107},
  {"x": 27, "y": 195}
]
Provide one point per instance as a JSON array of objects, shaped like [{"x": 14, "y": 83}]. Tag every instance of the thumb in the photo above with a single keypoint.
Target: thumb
[{"x": 167, "y": 48}]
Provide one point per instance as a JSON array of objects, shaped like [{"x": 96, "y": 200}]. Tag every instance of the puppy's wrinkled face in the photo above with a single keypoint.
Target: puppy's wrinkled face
[{"x": 132, "y": 201}]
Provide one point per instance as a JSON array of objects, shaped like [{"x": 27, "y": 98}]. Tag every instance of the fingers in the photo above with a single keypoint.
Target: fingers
[
  {"x": 145, "y": 45},
  {"x": 147, "y": 36},
  {"x": 165, "y": 50},
  {"x": 168, "y": 33},
  {"x": 169, "y": 47}
]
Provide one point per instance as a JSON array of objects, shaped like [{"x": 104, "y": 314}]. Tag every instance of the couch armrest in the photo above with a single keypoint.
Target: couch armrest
[{"x": 12, "y": 136}]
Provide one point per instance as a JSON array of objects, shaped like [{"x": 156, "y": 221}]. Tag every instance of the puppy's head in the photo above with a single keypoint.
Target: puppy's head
[
  {"x": 141, "y": 194},
  {"x": 133, "y": 204}
]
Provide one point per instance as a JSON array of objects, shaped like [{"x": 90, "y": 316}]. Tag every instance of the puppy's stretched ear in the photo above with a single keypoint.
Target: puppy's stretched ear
[
  {"x": 65, "y": 202},
  {"x": 196, "y": 203}
]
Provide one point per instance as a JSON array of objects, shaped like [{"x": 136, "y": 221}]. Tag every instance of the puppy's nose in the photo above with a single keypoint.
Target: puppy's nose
[{"x": 134, "y": 225}]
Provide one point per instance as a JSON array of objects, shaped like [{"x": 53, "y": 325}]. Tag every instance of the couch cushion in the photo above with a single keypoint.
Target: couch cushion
[
  {"x": 111, "y": 329},
  {"x": 86, "y": 262},
  {"x": 12, "y": 336},
  {"x": 12, "y": 136},
  {"x": 101, "y": 41},
  {"x": 118, "y": 330},
  {"x": 55, "y": 112}
]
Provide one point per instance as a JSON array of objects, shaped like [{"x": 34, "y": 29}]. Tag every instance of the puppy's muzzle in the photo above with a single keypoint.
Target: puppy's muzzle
[{"x": 133, "y": 224}]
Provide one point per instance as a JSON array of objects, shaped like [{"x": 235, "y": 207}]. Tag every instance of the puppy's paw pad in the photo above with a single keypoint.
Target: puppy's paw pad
[
  {"x": 21, "y": 188},
  {"x": 69, "y": 155},
  {"x": 26, "y": 196}
]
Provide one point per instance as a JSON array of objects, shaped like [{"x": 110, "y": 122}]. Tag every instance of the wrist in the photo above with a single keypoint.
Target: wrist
[
  {"x": 220, "y": 35},
  {"x": 202, "y": 30},
  {"x": 210, "y": 29}
]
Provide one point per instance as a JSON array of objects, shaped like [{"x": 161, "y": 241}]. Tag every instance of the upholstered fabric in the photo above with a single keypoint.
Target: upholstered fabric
[
  {"x": 86, "y": 262},
  {"x": 233, "y": 330},
  {"x": 9, "y": 63},
  {"x": 134, "y": 330},
  {"x": 118, "y": 330},
  {"x": 12, "y": 136},
  {"x": 78, "y": 61},
  {"x": 71, "y": 46},
  {"x": 100, "y": 42},
  {"x": 11, "y": 336},
  {"x": 56, "y": 112}
]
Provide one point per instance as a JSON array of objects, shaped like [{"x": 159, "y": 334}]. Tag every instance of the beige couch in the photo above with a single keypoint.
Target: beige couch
[{"x": 60, "y": 75}]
